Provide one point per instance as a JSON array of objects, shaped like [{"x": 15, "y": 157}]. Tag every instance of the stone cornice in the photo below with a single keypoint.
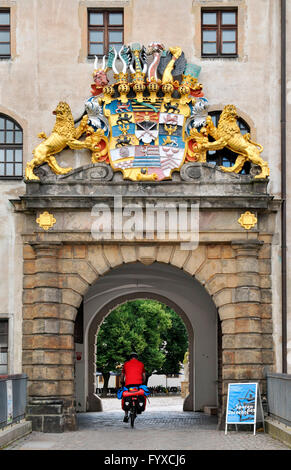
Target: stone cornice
[{"x": 201, "y": 184}]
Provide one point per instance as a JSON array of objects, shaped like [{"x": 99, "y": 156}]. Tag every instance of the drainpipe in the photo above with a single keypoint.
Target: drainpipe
[{"x": 283, "y": 186}]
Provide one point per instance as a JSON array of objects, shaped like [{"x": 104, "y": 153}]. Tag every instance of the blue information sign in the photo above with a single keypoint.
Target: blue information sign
[
  {"x": 241, "y": 407},
  {"x": 241, "y": 404}
]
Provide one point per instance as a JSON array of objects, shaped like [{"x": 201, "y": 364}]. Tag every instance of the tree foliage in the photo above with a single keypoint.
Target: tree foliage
[
  {"x": 148, "y": 327},
  {"x": 175, "y": 345}
]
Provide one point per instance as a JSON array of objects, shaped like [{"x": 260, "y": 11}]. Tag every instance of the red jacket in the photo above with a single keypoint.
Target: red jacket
[{"x": 133, "y": 370}]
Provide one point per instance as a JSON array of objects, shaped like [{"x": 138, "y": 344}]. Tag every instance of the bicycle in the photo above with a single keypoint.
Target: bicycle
[
  {"x": 132, "y": 411},
  {"x": 133, "y": 404}
]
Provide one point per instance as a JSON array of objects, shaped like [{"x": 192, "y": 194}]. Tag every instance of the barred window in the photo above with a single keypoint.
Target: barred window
[
  {"x": 226, "y": 157},
  {"x": 3, "y": 347},
  {"x": 5, "y": 33},
  {"x": 105, "y": 29},
  {"x": 219, "y": 33},
  {"x": 10, "y": 148}
]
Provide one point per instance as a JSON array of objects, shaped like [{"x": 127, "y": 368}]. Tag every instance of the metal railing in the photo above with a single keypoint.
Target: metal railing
[
  {"x": 279, "y": 396},
  {"x": 12, "y": 398},
  {"x": 159, "y": 390}
]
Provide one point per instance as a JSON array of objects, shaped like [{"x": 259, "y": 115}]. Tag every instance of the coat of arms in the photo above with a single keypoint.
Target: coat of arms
[{"x": 149, "y": 122}]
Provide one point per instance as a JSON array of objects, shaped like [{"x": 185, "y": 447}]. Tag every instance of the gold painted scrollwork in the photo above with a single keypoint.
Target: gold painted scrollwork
[
  {"x": 96, "y": 142},
  {"x": 46, "y": 220},
  {"x": 247, "y": 220}
]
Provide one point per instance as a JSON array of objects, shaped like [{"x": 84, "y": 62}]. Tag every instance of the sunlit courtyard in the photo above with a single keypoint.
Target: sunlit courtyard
[{"x": 171, "y": 403}]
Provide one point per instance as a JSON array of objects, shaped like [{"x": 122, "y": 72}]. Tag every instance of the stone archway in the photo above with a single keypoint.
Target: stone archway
[
  {"x": 57, "y": 276},
  {"x": 174, "y": 288},
  {"x": 94, "y": 403}
]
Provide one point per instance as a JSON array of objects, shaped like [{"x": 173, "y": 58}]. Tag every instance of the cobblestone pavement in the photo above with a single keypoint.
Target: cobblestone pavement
[{"x": 163, "y": 426}]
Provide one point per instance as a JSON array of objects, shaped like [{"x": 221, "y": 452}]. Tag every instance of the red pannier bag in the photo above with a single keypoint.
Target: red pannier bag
[
  {"x": 130, "y": 393},
  {"x": 141, "y": 399}
]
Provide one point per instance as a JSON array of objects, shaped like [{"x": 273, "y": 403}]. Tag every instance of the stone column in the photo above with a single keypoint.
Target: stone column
[
  {"x": 94, "y": 402},
  {"x": 242, "y": 327},
  {"x": 48, "y": 343}
]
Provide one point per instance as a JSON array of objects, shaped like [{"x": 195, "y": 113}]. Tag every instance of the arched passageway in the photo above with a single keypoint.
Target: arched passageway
[
  {"x": 172, "y": 287},
  {"x": 58, "y": 278}
]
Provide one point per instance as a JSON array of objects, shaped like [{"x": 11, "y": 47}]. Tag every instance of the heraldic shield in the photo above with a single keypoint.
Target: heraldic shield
[
  {"x": 148, "y": 122},
  {"x": 145, "y": 141}
]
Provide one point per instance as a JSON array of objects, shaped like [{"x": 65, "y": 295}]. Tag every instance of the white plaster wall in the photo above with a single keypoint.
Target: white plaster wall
[
  {"x": 49, "y": 65},
  {"x": 154, "y": 381},
  {"x": 288, "y": 177},
  {"x": 11, "y": 272}
]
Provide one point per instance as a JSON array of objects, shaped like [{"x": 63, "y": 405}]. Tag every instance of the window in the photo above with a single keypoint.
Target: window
[
  {"x": 10, "y": 148},
  {"x": 4, "y": 33},
  {"x": 3, "y": 347},
  {"x": 105, "y": 29},
  {"x": 226, "y": 157},
  {"x": 219, "y": 33}
]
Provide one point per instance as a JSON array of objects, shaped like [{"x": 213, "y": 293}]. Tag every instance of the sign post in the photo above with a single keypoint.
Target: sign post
[
  {"x": 9, "y": 401},
  {"x": 242, "y": 400}
]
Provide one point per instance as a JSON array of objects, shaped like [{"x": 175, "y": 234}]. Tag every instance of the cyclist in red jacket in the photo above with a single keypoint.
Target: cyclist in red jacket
[{"x": 132, "y": 375}]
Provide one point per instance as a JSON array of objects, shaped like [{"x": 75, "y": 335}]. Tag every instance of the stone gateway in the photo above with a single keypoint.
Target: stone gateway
[
  {"x": 65, "y": 266},
  {"x": 148, "y": 139}
]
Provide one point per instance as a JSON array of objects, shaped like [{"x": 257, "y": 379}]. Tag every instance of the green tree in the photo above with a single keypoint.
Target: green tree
[
  {"x": 175, "y": 345},
  {"x": 134, "y": 326}
]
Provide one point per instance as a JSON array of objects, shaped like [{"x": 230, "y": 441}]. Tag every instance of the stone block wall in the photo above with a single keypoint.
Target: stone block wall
[{"x": 56, "y": 277}]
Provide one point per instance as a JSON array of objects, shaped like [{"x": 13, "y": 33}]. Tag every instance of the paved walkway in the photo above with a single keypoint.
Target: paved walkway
[{"x": 163, "y": 426}]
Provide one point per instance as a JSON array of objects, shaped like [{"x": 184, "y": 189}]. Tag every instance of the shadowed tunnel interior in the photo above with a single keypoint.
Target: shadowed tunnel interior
[{"x": 175, "y": 289}]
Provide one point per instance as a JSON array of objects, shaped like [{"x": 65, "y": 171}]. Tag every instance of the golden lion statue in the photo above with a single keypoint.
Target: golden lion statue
[
  {"x": 228, "y": 134},
  {"x": 63, "y": 134}
]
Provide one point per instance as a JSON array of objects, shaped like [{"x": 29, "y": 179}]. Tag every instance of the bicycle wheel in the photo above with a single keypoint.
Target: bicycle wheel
[{"x": 132, "y": 417}]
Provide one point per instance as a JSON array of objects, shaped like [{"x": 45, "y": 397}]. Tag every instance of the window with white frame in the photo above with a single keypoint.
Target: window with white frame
[{"x": 10, "y": 148}]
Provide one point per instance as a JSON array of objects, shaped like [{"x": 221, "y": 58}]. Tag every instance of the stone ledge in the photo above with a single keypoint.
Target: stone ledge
[
  {"x": 203, "y": 183},
  {"x": 14, "y": 432},
  {"x": 206, "y": 202},
  {"x": 47, "y": 423},
  {"x": 210, "y": 410},
  {"x": 46, "y": 415},
  {"x": 278, "y": 430}
]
